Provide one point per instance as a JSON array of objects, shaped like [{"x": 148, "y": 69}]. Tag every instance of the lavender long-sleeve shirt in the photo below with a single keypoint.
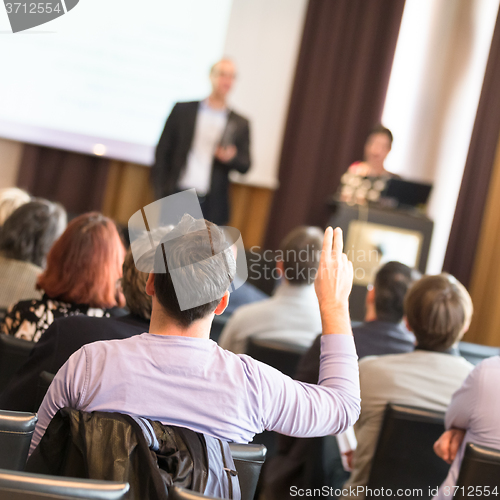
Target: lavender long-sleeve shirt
[
  {"x": 194, "y": 383},
  {"x": 475, "y": 407}
]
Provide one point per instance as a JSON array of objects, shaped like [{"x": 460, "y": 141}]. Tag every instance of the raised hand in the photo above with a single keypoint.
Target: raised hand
[
  {"x": 333, "y": 284},
  {"x": 446, "y": 447}
]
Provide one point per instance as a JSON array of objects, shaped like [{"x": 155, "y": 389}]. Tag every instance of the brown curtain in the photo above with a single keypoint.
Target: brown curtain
[
  {"x": 75, "y": 180},
  {"x": 466, "y": 226},
  {"x": 338, "y": 95}
]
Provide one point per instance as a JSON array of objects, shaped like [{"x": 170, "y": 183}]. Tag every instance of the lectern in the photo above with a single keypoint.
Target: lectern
[{"x": 374, "y": 235}]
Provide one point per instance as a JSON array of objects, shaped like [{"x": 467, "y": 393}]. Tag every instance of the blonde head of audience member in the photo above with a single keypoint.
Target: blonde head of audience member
[
  {"x": 10, "y": 199},
  {"x": 438, "y": 311}
]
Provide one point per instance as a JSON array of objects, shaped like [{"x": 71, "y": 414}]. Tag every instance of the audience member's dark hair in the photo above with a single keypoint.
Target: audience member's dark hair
[
  {"x": 300, "y": 251},
  {"x": 439, "y": 310},
  {"x": 198, "y": 275},
  {"x": 391, "y": 284},
  {"x": 380, "y": 129},
  {"x": 30, "y": 231}
]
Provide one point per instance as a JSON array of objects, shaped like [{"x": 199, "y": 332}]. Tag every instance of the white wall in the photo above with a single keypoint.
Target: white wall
[
  {"x": 264, "y": 39},
  {"x": 432, "y": 100}
]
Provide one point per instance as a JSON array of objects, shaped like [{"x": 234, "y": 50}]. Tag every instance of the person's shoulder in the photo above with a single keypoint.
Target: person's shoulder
[
  {"x": 384, "y": 362},
  {"x": 35, "y": 306},
  {"x": 239, "y": 117},
  {"x": 459, "y": 362},
  {"x": 111, "y": 345},
  {"x": 181, "y": 105},
  {"x": 492, "y": 363}
]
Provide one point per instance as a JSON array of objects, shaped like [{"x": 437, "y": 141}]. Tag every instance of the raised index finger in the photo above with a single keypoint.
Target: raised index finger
[
  {"x": 327, "y": 243},
  {"x": 338, "y": 242}
]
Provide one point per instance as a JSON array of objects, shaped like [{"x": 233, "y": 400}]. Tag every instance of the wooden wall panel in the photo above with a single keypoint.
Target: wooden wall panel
[{"x": 485, "y": 281}]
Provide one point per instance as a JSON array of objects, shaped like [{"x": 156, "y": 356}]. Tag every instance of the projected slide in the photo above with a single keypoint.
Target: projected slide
[{"x": 103, "y": 77}]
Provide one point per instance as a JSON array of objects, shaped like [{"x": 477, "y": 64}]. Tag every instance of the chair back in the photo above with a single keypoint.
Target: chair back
[
  {"x": 14, "y": 353},
  {"x": 176, "y": 493},
  {"x": 44, "y": 381},
  {"x": 24, "y": 486},
  {"x": 248, "y": 460},
  {"x": 16, "y": 430},
  {"x": 480, "y": 467},
  {"x": 404, "y": 457},
  {"x": 284, "y": 356}
]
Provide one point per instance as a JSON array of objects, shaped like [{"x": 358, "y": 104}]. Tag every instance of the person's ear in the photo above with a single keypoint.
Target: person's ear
[
  {"x": 370, "y": 296},
  {"x": 150, "y": 285},
  {"x": 221, "y": 307},
  {"x": 280, "y": 266},
  {"x": 405, "y": 319}
]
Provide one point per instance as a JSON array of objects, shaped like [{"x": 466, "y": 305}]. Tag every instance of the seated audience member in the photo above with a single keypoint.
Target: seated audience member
[
  {"x": 243, "y": 295},
  {"x": 25, "y": 239},
  {"x": 383, "y": 331},
  {"x": 293, "y": 307},
  {"x": 298, "y": 461},
  {"x": 11, "y": 199},
  {"x": 438, "y": 310},
  {"x": 176, "y": 375},
  {"x": 472, "y": 417},
  {"x": 66, "y": 335},
  {"x": 83, "y": 269}
]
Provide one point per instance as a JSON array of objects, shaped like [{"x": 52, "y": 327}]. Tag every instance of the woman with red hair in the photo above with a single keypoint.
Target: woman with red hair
[{"x": 81, "y": 277}]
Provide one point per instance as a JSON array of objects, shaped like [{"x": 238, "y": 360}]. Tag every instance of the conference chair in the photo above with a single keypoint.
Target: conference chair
[
  {"x": 16, "y": 430},
  {"x": 480, "y": 467},
  {"x": 475, "y": 353},
  {"x": 280, "y": 354},
  {"x": 248, "y": 460},
  {"x": 285, "y": 357},
  {"x": 404, "y": 456},
  {"x": 176, "y": 493},
  {"x": 13, "y": 354},
  {"x": 44, "y": 381},
  {"x": 24, "y": 486}
]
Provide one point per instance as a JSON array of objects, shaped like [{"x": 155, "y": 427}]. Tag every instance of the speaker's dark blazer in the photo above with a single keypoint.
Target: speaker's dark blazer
[
  {"x": 173, "y": 148},
  {"x": 63, "y": 337}
]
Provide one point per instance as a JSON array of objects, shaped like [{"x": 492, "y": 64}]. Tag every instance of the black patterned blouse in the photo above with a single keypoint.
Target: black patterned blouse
[{"x": 29, "y": 319}]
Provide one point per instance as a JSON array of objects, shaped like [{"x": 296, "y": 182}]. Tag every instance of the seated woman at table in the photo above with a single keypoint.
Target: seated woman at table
[{"x": 81, "y": 277}]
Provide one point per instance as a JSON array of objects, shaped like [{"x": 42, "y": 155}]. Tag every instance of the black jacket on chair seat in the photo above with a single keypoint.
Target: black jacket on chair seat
[{"x": 113, "y": 447}]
